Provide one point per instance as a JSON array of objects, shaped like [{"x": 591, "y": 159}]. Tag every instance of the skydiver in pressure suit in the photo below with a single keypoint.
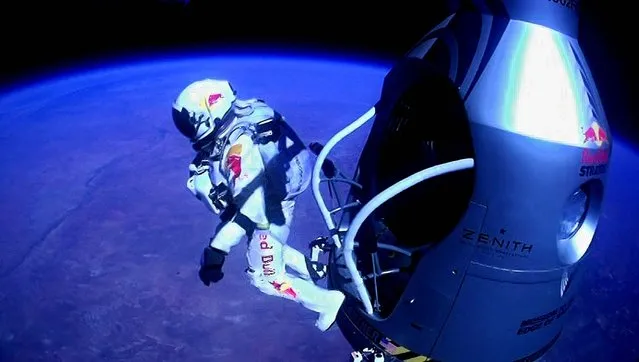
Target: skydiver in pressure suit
[{"x": 249, "y": 168}]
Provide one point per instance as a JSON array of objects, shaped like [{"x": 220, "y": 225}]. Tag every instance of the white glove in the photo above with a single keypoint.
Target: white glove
[{"x": 199, "y": 183}]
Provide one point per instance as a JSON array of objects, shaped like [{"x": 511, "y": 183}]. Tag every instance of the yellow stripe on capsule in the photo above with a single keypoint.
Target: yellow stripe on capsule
[
  {"x": 417, "y": 359},
  {"x": 400, "y": 350}
]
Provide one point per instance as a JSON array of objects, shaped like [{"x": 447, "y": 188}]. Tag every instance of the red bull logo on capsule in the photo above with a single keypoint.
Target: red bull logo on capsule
[
  {"x": 594, "y": 161},
  {"x": 595, "y": 134}
]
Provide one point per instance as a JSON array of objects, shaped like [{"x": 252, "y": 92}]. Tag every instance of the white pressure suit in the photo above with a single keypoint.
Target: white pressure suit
[{"x": 251, "y": 174}]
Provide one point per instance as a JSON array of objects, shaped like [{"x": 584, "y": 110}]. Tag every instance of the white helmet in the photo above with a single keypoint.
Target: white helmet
[{"x": 202, "y": 109}]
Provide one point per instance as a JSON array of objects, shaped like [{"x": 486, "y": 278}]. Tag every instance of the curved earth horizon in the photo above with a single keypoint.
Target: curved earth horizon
[{"x": 101, "y": 239}]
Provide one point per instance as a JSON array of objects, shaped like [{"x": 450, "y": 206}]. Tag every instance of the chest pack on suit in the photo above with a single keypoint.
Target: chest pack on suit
[{"x": 287, "y": 161}]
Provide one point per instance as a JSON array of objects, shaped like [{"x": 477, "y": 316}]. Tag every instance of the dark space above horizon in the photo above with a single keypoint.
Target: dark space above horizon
[{"x": 56, "y": 35}]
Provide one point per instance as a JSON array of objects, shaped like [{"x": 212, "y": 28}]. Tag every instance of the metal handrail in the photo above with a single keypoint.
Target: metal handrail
[
  {"x": 369, "y": 208},
  {"x": 377, "y": 201},
  {"x": 315, "y": 180}
]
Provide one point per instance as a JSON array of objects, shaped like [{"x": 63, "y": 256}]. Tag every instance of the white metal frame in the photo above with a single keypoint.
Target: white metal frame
[{"x": 349, "y": 239}]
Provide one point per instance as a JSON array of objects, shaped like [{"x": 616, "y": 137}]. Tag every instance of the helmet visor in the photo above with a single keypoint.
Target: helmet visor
[{"x": 182, "y": 121}]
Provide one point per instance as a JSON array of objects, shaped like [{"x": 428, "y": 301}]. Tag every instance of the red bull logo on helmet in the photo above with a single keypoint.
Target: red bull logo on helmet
[
  {"x": 207, "y": 101},
  {"x": 213, "y": 98}
]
